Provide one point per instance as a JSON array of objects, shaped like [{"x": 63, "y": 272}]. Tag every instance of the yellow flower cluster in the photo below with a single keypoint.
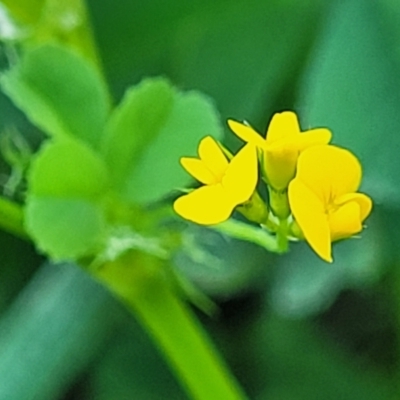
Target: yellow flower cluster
[
  {"x": 312, "y": 185},
  {"x": 226, "y": 184}
]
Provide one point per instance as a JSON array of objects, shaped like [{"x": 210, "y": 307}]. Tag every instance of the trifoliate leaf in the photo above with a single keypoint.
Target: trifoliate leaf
[
  {"x": 60, "y": 92},
  {"x": 64, "y": 213},
  {"x": 65, "y": 229},
  {"x": 155, "y": 126},
  {"x": 67, "y": 168},
  {"x": 134, "y": 124}
]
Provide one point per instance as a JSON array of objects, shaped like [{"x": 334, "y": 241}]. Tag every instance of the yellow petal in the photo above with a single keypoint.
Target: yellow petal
[
  {"x": 241, "y": 176},
  {"x": 246, "y": 133},
  {"x": 364, "y": 202},
  {"x": 279, "y": 164},
  {"x": 207, "y": 205},
  {"x": 345, "y": 221},
  {"x": 282, "y": 126},
  {"x": 313, "y": 137},
  {"x": 213, "y": 157},
  {"x": 198, "y": 170},
  {"x": 309, "y": 213},
  {"x": 329, "y": 171}
]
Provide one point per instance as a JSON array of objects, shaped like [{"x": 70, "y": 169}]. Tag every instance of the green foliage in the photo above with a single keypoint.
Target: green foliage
[
  {"x": 246, "y": 54},
  {"x": 64, "y": 212},
  {"x": 60, "y": 92},
  {"x": 303, "y": 285},
  {"x": 68, "y": 168},
  {"x": 56, "y": 329},
  {"x": 265, "y": 45},
  {"x": 191, "y": 116},
  {"x": 27, "y": 11},
  {"x": 284, "y": 324},
  {"x": 65, "y": 229},
  {"x": 133, "y": 124},
  {"x": 90, "y": 159},
  {"x": 352, "y": 87},
  {"x": 152, "y": 128}
]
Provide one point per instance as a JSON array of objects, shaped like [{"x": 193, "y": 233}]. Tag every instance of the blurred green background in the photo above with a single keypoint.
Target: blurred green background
[{"x": 291, "y": 327}]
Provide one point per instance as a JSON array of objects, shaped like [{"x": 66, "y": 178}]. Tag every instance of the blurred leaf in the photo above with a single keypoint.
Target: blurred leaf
[
  {"x": 60, "y": 92},
  {"x": 353, "y": 88},
  {"x": 264, "y": 46},
  {"x": 10, "y": 30},
  {"x": 245, "y": 54},
  {"x": 219, "y": 265},
  {"x": 67, "y": 168},
  {"x": 389, "y": 25},
  {"x": 134, "y": 124},
  {"x": 64, "y": 214},
  {"x": 67, "y": 22},
  {"x": 65, "y": 229},
  {"x": 27, "y": 11},
  {"x": 18, "y": 262},
  {"x": 154, "y": 126},
  {"x": 300, "y": 365},
  {"x": 131, "y": 368},
  {"x": 53, "y": 331},
  {"x": 303, "y": 285},
  {"x": 133, "y": 50}
]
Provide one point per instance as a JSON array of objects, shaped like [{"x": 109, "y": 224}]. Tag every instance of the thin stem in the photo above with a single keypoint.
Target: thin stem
[
  {"x": 11, "y": 218},
  {"x": 249, "y": 233},
  {"x": 282, "y": 235},
  {"x": 172, "y": 326}
]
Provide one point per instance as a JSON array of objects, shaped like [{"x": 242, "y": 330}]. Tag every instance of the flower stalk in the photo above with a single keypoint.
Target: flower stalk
[{"x": 138, "y": 282}]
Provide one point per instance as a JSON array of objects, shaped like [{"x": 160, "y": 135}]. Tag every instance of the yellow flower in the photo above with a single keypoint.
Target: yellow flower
[
  {"x": 323, "y": 197},
  {"x": 227, "y": 184},
  {"x": 281, "y": 147}
]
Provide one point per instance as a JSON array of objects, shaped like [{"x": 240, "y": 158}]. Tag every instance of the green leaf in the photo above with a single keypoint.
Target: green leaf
[
  {"x": 64, "y": 213},
  {"x": 26, "y": 11},
  {"x": 245, "y": 55},
  {"x": 68, "y": 168},
  {"x": 60, "y": 322},
  {"x": 353, "y": 88},
  {"x": 155, "y": 126},
  {"x": 60, "y": 92},
  {"x": 134, "y": 123},
  {"x": 65, "y": 229},
  {"x": 265, "y": 45},
  {"x": 388, "y": 12},
  {"x": 303, "y": 285}
]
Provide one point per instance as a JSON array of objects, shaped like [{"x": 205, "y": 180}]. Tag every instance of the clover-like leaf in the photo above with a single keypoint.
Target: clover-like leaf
[
  {"x": 68, "y": 168},
  {"x": 64, "y": 213},
  {"x": 60, "y": 92},
  {"x": 65, "y": 228},
  {"x": 152, "y": 128}
]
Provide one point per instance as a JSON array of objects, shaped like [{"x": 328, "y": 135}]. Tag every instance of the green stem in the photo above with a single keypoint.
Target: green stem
[
  {"x": 11, "y": 218},
  {"x": 249, "y": 233},
  {"x": 172, "y": 326},
  {"x": 282, "y": 236}
]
